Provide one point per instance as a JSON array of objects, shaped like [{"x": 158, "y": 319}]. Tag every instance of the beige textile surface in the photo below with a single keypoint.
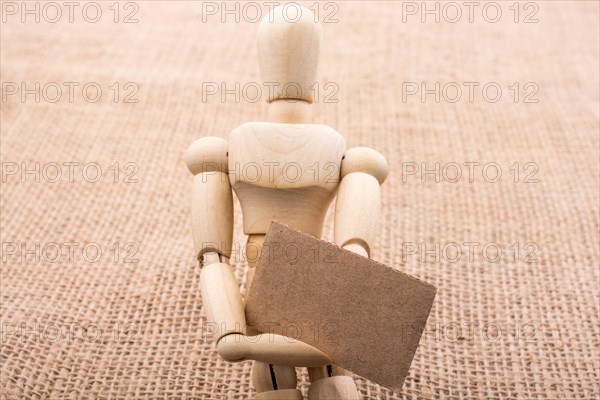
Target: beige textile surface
[{"x": 523, "y": 326}]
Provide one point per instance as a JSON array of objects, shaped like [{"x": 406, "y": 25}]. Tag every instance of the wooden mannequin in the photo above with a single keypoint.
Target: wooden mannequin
[{"x": 298, "y": 196}]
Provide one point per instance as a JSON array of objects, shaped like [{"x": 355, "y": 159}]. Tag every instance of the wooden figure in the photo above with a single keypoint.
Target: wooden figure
[{"x": 295, "y": 186}]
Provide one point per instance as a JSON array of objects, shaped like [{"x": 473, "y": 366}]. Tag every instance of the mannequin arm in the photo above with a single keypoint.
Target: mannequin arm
[
  {"x": 358, "y": 203},
  {"x": 212, "y": 230}
]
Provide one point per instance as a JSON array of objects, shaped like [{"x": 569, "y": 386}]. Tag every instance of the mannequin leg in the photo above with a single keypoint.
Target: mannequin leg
[
  {"x": 331, "y": 382},
  {"x": 275, "y": 382}
]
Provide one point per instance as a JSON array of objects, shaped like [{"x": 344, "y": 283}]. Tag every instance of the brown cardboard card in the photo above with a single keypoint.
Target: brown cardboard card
[{"x": 367, "y": 317}]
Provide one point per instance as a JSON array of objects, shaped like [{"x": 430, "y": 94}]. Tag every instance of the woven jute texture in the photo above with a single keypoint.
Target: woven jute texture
[{"x": 100, "y": 289}]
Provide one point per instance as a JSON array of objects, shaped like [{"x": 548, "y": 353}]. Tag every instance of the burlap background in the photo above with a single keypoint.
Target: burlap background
[{"x": 112, "y": 329}]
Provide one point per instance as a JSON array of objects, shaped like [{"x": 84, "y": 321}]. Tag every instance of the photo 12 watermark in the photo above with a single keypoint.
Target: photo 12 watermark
[
  {"x": 69, "y": 172},
  {"x": 324, "y": 333},
  {"x": 452, "y": 172},
  {"x": 326, "y": 12},
  {"x": 253, "y": 92},
  {"x": 267, "y": 171},
  {"x": 71, "y": 92},
  {"x": 69, "y": 252},
  {"x": 471, "y": 252},
  {"x": 53, "y": 12},
  {"x": 502, "y": 332},
  {"x": 453, "y": 12},
  {"x": 68, "y": 332},
  {"x": 470, "y": 92}
]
